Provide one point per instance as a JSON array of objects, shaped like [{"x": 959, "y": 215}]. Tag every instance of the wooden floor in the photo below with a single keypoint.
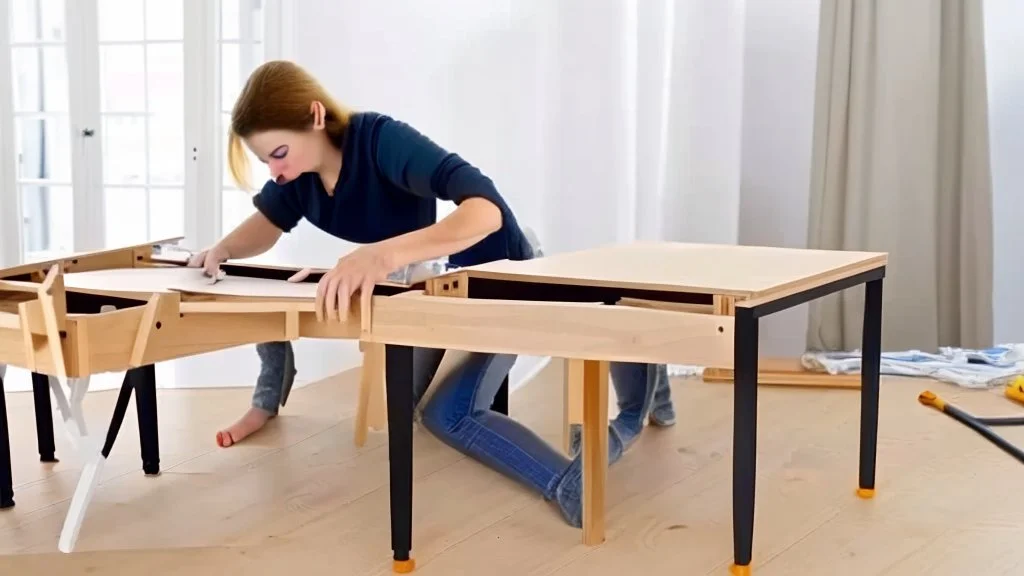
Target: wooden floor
[{"x": 301, "y": 499}]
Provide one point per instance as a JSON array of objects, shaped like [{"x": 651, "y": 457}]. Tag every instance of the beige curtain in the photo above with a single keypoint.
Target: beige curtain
[{"x": 901, "y": 164}]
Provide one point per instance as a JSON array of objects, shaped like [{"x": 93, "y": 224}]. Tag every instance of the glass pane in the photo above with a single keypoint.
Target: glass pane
[
  {"x": 122, "y": 78},
  {"x": 236, "y": 206},
  {"x": 257, "y": 20},
  {"x": 52, "y": 16},
  {"x": 166, "y": 214},
  {"x": 124, "y": 150},
  {"x": 43, "y": 148},
  {"x": 164, "y": 20},
  {"x": 23, "y": 20},
  {"x": 167, "y": 149},
  {"x": 166, "y": 77},
  {"x": 230, "y": 79},
  {"x": 120, "y": 20},
  {"x": 48, "y": 224},
  {"x": 47, "y": 23},
  {"x": 40, "y": 88},
  {"x": 126, "y": 212},
  {"x": 229, "y": 19}
]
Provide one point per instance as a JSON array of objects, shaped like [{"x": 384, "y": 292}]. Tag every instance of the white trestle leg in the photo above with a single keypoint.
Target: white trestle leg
[{"x": 92, "y": 451}]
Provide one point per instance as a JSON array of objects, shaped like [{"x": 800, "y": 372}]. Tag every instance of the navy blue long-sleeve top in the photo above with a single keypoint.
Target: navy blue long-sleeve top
[{"x": 390, "y": 181}]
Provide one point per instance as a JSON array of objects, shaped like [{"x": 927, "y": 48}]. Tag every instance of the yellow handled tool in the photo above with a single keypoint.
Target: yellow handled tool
[
  {"x": 979, "y": 425},
  {"x": 1015, "y": 390}
]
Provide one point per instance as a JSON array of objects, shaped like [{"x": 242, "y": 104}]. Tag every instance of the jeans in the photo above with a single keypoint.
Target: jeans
[{"x": 458, "y": 413}]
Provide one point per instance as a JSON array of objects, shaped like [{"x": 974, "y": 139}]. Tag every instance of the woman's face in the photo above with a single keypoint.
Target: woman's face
[{"x": 287, "y": 153}]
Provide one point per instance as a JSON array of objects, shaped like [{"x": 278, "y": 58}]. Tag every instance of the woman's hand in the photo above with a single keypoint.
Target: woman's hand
[
  {"x": 210, "y": 260},
  {"x": 359, "y": 270}
]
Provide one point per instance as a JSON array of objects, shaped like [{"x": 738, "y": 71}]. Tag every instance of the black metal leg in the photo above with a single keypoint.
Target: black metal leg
[
  {"x": 871, "y": 359},
  {"x": 744, "y": 440},
  {"x": 500, "y": 403},
  {"x": 144, "y": 382},
  {"x": 399, "y": 377},
  {"x": 6, "y": 478},
  {"x": 44, "y": 417},
  {"x": 120, "y": 409}
]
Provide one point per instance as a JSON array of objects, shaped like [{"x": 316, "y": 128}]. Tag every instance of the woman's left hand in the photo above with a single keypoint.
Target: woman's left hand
[{"x": 359, "y": 270}]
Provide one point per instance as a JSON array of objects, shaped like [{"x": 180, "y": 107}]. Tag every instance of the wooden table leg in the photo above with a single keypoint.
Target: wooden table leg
[
  {"x": 595, "y": 449},
  {"x": 871, "y": 358},
  {"x": 399, "y": 377},
  {"x": 6, "y": 478},
  {"x": 744, "y": 439}
]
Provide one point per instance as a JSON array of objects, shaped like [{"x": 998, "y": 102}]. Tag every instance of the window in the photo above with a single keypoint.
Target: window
[
  {"x": 116, "y": 164},
  {"x": 42, "y": 138},
  {"x": 142, "y": 118},
  {"x": 240, "y": 41}
]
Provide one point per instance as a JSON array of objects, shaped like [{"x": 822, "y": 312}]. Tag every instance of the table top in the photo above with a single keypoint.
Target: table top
[
  {"x": 744, "y": 272},
  {"x": 145, "y": 281}
]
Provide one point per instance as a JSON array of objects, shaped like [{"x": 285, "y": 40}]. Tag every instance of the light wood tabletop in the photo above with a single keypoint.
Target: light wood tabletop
[{"x": 744, "y": 272}]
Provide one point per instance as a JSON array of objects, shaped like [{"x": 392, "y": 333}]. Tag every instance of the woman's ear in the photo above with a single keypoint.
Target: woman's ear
[{"x": 319, "y": 114}]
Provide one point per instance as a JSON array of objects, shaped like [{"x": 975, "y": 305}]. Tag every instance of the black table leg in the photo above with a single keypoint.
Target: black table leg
[
  {"x": 399, "y": 377},
  {"x": 6, "y": 478},
  {"x": 144, "y": 382},
  {"x": 871, "y": 359},
  {"x": 44, "y": 417},
  {"x": 744, "y": 440},
  {"x": 500, "y": 403}
]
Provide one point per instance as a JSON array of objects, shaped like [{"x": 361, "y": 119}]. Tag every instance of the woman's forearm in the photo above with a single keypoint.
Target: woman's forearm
[
  {"x": 471, "y": 222},
  {"x": 252, "y": 237}
]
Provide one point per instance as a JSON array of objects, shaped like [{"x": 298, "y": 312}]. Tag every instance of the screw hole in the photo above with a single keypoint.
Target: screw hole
[
  {"x": 158, "y": 325},
  {"x": 721, "y": 329}
]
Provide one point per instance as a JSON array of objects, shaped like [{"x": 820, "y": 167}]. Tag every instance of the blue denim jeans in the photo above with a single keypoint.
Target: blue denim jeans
[{"x": 459, "y": 413}]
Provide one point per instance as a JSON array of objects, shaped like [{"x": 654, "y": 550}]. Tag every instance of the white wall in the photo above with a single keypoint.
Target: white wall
[
  {"x": 464, "y": 72},
  {"x": 778, "y": 115},
  {"x": 1004, "y": 28}
]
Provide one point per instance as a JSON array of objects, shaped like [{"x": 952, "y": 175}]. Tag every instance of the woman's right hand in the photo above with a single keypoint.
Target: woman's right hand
[{"x": 209, "y": 260}]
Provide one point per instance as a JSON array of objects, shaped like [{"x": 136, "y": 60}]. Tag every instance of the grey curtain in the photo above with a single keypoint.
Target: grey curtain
[{"x": 901, "y": 164}]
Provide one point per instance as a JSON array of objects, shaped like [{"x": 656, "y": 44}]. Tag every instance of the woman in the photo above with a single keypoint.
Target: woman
[{"x": 372, "y": 180}]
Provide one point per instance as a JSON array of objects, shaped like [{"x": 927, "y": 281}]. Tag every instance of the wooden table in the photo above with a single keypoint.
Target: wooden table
[
  {"x": 641, "y": 302},
  {"x": 125, "y": 310}
]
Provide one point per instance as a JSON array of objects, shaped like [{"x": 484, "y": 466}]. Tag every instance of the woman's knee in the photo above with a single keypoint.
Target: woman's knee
[{"x": 470, "y": 387}]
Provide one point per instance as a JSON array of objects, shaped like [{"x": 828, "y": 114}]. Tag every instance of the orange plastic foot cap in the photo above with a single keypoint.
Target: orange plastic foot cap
[
  {"x": 866, "y": 493},
  {"x": 740, "y": 570},
  {"x": 405, "y": 566}
]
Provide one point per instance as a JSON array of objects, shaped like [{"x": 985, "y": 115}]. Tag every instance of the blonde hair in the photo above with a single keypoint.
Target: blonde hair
[{"x": 278, "y": 96}]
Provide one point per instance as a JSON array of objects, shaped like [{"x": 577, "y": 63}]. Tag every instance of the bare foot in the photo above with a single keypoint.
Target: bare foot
[{"x": 251, "y": 422}]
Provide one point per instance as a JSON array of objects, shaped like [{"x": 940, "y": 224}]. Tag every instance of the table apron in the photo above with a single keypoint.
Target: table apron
[{"x": 591, "y": 331}]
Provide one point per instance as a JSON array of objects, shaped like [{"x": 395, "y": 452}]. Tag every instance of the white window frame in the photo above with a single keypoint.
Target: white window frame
[
  {"x": 202, "y": 154},
  {"x": 10, "y": 197}
]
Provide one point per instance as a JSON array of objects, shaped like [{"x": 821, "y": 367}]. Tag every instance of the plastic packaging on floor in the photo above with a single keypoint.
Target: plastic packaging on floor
[{"x": 988, "y": 368}]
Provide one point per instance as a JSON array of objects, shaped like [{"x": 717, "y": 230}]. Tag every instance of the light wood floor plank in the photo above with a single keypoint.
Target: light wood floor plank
[{"x": 301, "y": 498}]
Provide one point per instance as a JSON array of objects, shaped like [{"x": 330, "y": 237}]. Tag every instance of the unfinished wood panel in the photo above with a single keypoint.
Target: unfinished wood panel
[
  {"x": 566, "y": 330},
  {"x": 101, "y": 259},
  {"x": 455, "y": 285},
  {"x": 35, "y": 356},
  {"x": 594, "y": 450},
  {"x": 371, "y": 384},
  {"x": 724, "y": 305},
  {"x": 787, "y": 372},
  {"x": 742, "y": 271}
]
